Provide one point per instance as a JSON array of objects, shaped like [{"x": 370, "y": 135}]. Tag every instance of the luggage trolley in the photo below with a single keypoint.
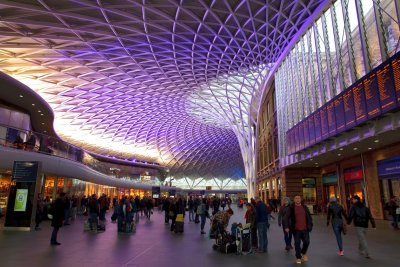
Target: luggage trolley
[{"x": 243, "y": 239}]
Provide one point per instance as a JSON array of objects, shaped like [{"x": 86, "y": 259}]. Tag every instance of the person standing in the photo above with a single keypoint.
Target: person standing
[
  {"x": 94, "y": 211},
  {"x": 166, "y": 205},
  {"x": 361, "y": 215},
  {"x": 202, "y": 212},
  {"x": 250, "y": 217},
  {"x": 335, "y": 212},
  {"x": 284, "y": 211},
  {"x": 393, "y": 208},
  {"x": 262, "y": 219},
  {"x": 58, "y": 217},
  {"x": 39, "y": 211},
  {"x": 299, "y": 220},
  {"x": 191, "y": 209}
]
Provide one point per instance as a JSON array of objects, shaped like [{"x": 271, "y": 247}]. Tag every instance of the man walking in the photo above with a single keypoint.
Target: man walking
[
  {"x": 262, "y": 215},
  {"x": 300, "y": 221},
  {"x": 361, "y": 215}
]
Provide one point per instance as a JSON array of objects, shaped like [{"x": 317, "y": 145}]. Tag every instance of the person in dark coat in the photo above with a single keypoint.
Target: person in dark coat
[
  {"x": 284, "y": 211},
  {"x": 58, "y": 217}
]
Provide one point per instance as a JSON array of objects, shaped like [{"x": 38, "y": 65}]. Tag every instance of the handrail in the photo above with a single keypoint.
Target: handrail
[{"x": 45, "y": 144}]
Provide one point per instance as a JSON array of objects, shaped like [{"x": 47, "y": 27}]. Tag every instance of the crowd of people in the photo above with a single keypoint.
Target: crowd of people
[{"x": 294, "y": 217}]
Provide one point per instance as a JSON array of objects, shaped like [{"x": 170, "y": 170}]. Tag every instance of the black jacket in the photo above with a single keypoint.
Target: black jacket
[
  {"x": 58, "y": 213},
  {"x": 290, "y": 219},
  {"x": 361, "y": 215},
  {"x": 335, "y": 211},
  {"x": 282, "y": 213}
]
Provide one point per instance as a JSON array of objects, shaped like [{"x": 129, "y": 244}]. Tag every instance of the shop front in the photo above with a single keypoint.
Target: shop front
[
  {"x": 354, "y": 183},
  {"x": 309, "y": 192},
  {"x": 389, "y": 176},
  {"x": 330, "y": 187}
]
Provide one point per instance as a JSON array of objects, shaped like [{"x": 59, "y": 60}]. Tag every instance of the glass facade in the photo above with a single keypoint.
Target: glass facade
[{"x": 345, "y": 43}]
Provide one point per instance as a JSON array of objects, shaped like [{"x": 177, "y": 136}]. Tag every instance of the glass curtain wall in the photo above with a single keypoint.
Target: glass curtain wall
[{"x": 345, "y": 43}]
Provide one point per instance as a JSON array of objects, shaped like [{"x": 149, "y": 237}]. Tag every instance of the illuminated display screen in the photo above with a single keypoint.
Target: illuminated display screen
[{"x": 377, "y": 93}]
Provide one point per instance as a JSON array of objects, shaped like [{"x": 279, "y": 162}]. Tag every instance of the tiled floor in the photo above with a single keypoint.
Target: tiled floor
[{"x": 155, "y": 245}]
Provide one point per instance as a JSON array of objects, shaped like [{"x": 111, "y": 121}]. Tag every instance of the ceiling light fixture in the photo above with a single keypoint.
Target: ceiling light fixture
[
  {"x": 33, "y": 104},
  {"x": 376, "y": 141},
  {"x": 369, "y": 148},
  {"x": 341, "y": 149},
  {"x": 21, "y": 96},
  {"x": 339, "y": 154},
  {"x": 355, "y": 148}
]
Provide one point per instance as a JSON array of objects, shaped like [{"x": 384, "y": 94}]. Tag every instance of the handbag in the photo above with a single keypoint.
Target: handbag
[{"x": 344, "y": 228}]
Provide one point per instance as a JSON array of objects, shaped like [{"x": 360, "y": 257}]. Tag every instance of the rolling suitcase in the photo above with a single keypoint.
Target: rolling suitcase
[
  {"x": 179, "y": 223},
  {"x": 243, "y": 239}
]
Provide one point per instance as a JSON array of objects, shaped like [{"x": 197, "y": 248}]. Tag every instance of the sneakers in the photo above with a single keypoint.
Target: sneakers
[
  {"x": 55, "y": 243},
  {"x": 298, "y": 261},
  {"x": 202, "y": 232},
  {"x": 341, "y": 253},
  {"x": 304, "y": 258}
]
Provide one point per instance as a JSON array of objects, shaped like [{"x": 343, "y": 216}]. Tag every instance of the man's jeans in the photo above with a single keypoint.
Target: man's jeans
[
  {"x": 53, "y": 239},
  {"x": 337, "y": 229},
  {"x": 191, "y": 215},
  {"x": 203, "y": 221},
  {"x": 362, "y": 241},
  {"x": 301, "y": 236},
  {"x": 262, "y": 236}
]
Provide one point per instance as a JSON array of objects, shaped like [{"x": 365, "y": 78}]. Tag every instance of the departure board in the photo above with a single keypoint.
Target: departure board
[
  {"x": 324, "y": 123},
  {"x": 348, "y": 106},
  {"x": 317, "y": 126},
  {"x": 375, "y": 94},
  {"x": 359, "y": 102},
  {"x": 306, "y": 133},
  {"x": 311, "y": 129},
  {"x": 339, "y": 113},
  {"x": 387, "y": 93},
  {"x": 330, "y": 113},
  {"x": 396, "y": 76},
  {"x": 372, "y": 95}
]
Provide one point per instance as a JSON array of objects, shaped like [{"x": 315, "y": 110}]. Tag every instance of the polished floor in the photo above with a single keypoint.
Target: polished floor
[{"x": 154, "y": 245}]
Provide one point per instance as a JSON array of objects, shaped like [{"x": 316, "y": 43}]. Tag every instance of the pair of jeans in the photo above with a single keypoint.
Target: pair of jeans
[
  {"x": 53, "y": 239},
  {"x": 93, "y": 221},
  {"x": 301, "y": 236},
  {"x": 262, "y": 229},
  {"x": 395, "y": 220},
  {"x": 288, "y": 238},
  {"x": 338, "y": 229},
  {"x": 66, "y": 216},
  {"x": 191, "y": 215},
  {"x": 203, "y": 221},
  {"x": 362, "y": 240}
]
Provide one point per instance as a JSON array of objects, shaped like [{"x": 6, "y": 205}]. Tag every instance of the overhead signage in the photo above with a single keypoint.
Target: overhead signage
[
  {"x": 389, "y": 167},
  {"x": 25, "y": 171}
]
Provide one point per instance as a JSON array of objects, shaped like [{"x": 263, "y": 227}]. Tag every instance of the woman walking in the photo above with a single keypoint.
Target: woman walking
[
  {"x": 284, "y": 211},
  {"x": 335, "y": 213}
]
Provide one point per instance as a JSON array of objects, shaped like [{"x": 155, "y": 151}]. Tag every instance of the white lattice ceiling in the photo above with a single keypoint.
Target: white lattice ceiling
[{"x": 165, "y": 81}]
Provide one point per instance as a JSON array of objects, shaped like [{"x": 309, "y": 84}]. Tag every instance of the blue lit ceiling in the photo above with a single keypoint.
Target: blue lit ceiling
[{"x": 172, "y": 82}]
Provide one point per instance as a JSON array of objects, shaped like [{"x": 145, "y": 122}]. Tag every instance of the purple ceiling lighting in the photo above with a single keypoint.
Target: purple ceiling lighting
[{"x": 172, "y": 82}]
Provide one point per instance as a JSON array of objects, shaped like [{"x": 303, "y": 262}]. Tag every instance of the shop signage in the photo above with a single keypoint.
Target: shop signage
[
  {"x": 25, "y": 171},
  {"x": 156, "y": 190},
  {"x": 172, "y": 192},
  {"x": 308, "y": 182},
  {"x": 20, "y": 200},
  {"x": 389, "y": 167},
  {"x": 352, "y": 174},
  {"x": 330, "y": 178}
]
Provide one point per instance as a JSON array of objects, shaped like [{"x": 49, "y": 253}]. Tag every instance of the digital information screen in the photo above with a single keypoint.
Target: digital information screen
[
  {"x": 324, "y": 123},
  {"x": 378, "y": 92},
  {"x": 387, "y": 93},
  {"x": 396, "y": 76},
  {"x": 311, "y": 129},
  {"x": 372, "y": 95},
  {"x": 317, "y": 125},
  {"x": 339, "y": 114},
  {"x": 348, "y": 106},
  {"x": 330, "y": 113},
  {"x": 359, "y": 103}
]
